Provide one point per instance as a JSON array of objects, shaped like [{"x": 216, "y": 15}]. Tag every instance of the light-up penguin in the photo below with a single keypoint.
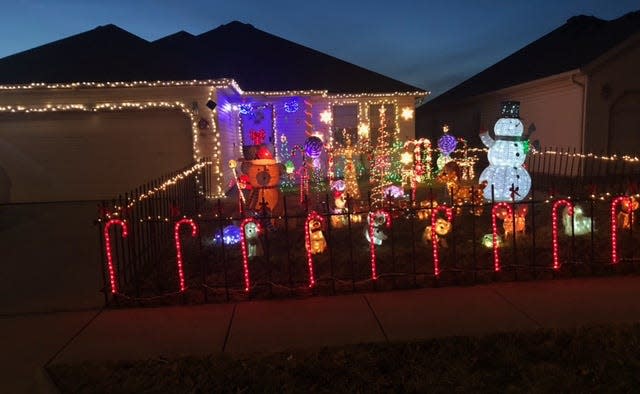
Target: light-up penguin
[{"x": 507, "y": 153}]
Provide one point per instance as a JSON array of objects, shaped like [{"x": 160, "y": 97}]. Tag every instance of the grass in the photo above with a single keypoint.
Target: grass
[{"x": 594, "y": 359}]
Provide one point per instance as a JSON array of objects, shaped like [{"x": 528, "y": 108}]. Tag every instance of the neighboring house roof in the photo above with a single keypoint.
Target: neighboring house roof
[
  {"x": 255, "y": 59},
  {"x": 573, "y": 45}
]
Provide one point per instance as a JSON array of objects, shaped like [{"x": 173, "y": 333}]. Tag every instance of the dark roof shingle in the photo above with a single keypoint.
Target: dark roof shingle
[{"x": 255, "y": 59}]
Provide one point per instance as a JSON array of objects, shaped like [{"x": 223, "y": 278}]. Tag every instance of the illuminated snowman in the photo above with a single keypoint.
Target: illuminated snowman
[{"x": 510, "y": 180}]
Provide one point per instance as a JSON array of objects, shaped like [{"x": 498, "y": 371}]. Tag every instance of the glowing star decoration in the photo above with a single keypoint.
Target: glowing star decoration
[
  {"x": 554, "y": 228},
  {"x": 326, "y": 117},
  {"x": 375, "y": 235},
  {"x": 614, "y": 225},
  {"x": 406, "y": 158},
  {"x": 407, "y": 113},
  {"x": 314, "y": 241},
  {"x": 107, "y": 244},
  {"x": 363, "y": 131},
  {"x": 576, "y": 224},
  {"x": 249, "y": 244},
  {"x": 443, "y": 228},
  {"x": 505, "y": 174},
  {"x": 495, "y": 213},
  {"x": 176, "y": 237}
]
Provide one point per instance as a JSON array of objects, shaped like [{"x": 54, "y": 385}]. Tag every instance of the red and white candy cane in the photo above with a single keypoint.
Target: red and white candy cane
[
  {"x": 494, "y": 225},
  {"x": 372, "y": 245},
  {"x": 614, "y": 225},
  {"x": 245, "y": 254},
  {"x": 176, "y": 236},
  {"x": 107, "y": 245},
  {"x": 434, "y": 236},
  {"x": 313, "y": 215},
  {"x": 554, "y": 228}
]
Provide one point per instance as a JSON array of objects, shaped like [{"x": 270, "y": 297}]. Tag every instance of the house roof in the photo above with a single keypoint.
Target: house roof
[
  {"x": 578, "y": 42},
  {"x": 257, "y": 60}
]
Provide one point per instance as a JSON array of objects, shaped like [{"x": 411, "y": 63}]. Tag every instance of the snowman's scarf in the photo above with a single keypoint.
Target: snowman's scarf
[{"x": 514, "y": 138}]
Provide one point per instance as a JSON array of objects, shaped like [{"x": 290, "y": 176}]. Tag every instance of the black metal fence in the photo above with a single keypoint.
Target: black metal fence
[{"x": 148, "y": 211}]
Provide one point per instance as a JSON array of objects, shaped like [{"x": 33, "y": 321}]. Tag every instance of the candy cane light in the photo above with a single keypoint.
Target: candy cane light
[
  {"x": 614, "y": 225},
  {"x": 495, "y": 211},
  {"x": 176, "y": 236},
  {"x": 372, "y": 245},
  {"x": 243, "y": 245},
  {"x": 434, "y": 236},
  {"x": 107, "y": 243},
  {"x": 554, "y": 227},
  {"x": 313, "y": 215}
]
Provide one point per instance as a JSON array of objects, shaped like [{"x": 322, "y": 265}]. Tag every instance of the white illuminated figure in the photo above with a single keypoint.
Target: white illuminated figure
[{"x": 510, "y": 180}]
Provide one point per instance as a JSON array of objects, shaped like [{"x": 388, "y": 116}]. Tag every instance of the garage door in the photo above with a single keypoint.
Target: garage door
[{"x": 88, "y": 156}]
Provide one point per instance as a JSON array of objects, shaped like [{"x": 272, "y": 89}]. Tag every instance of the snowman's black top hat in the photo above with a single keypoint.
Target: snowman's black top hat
[{"x": 510, "y": 109}]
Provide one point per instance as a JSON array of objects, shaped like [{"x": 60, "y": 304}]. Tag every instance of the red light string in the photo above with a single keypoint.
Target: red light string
[
  {"x": 313, "y": 215},
  {"x": 372, "y": 245},
  {"x": 434, "y": 236},
  {"x": 494, "y": 212},
  {"x": 107, "y": 243},
  {"x": 554, "y": 227},
  {"x": 243, "y": 245},
  {"x": 176, "y": 237},
  {"x": 614, "y": 225}
]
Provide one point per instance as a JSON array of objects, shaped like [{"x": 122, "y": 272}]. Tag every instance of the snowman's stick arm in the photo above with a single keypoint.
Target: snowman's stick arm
[{"x": 486, "y": 139}]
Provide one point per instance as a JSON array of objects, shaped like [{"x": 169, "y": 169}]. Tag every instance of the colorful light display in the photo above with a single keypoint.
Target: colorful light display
[
  {"x": 554, "y": 227},
  {"x": 434, "y": 234},
  {"x": 375, "y": 235},
  {"x": 314, "y": 241},
  {"x": 251, "y": 229},
  {"x": 614, "y": 225},
  {"x": 107, "y": 243},
  {"x": 505, "y": 175},
  {"x": 495, "y": 213},
  {"x": 176, "y": 237}
]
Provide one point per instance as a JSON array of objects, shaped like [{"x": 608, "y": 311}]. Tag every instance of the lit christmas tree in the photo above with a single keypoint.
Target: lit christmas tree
[
  {"x": 381, "y": 162},
  {"x": 287, "y": 181},
  {"x": 395, "y": 172}
]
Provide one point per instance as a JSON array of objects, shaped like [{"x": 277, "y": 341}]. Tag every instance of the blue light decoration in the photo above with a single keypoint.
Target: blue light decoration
[
  {"x": 447, "y": 144},
  {"x": 230, "y": 235},
  {"x": 313, "y": 147},
  {"x": 245, "y": 109},
  {"x": 292, "y": 106}
]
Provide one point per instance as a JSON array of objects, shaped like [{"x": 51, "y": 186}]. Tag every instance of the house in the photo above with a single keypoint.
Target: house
[
  {"x": 101, "y": 112},
  {"x": 579, "y": 87}
]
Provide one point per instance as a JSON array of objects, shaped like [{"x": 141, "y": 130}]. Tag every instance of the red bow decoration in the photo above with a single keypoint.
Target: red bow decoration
[{"x": 257, "y": 136}]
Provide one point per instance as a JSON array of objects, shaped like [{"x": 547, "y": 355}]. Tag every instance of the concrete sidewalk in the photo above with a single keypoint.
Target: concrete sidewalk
[{"x": 281, "y": 325}]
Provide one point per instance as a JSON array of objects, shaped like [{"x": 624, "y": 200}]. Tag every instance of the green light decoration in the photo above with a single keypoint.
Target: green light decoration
[
  {"x": 526, "y": 146},
  {"x": 287, "y": 179}
]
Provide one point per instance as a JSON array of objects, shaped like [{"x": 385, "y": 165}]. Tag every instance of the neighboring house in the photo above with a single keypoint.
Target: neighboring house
[
  {"x": 99, "y": 113},
  {"x": 579, "y": 87}
]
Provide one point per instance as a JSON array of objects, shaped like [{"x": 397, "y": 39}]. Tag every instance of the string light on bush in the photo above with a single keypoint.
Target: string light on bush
[
  {"x": 434, "y": 236},
  {"x": 554, "y": 224},
  {"x": 614, "y": 225},
  {"x": 176, "y": 237},
  {"x": 107, "y": 243},
  {"x": 244, "y": 247},
  {"x": 376, "y": 220},
  {"x": 311, "y": 218},
  {"x": 495, "y": 211}
]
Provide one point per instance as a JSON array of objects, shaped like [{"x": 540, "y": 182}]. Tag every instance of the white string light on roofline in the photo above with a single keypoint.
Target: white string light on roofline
[{"x": 135, "y": 106}]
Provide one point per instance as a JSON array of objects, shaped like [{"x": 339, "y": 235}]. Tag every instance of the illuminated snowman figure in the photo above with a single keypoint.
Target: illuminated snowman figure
[{"x": 510, "y": 180}]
